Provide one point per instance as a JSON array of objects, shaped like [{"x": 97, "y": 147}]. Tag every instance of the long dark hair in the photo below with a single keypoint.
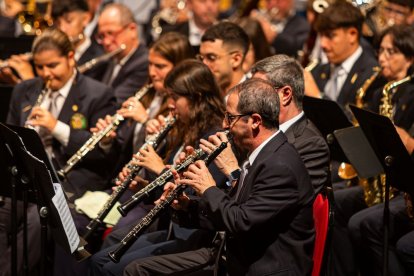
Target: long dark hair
[{"x": 194, "y": 81}]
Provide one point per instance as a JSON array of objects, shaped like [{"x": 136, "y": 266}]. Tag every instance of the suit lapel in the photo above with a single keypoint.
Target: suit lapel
[
  {"x": 271, "y": 147},
  {"x": 29, "y": 101},
  {"x": 73, "y": 101}
]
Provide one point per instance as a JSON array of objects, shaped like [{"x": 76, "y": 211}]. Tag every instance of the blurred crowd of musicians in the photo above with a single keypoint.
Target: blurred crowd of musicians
[{"x": 228, "y": 75}]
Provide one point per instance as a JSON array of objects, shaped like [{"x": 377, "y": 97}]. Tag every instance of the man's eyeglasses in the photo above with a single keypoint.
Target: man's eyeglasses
[
  {"x": 388, "y": 52},
  {"x": 212, "y": 57},
  {"x": 112, "y": 35},
  {"x": 230, "y": 118}
]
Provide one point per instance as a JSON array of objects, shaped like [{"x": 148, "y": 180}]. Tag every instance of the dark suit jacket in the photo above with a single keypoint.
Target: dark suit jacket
[
  {"x": 93, "y": 51},
  {"x": 182, "y": 28},
  {"x": 270, "y": 226},
  {"x": 361, "y": 71},
  {"x": 89, "y": 100},
  {"x": 313, "y": 151},
  {"x": 293, "y": 36},
  {"x": 132, "y": 76}
]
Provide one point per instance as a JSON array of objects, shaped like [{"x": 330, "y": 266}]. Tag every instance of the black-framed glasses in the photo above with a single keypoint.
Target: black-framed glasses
[
  {"x": 230, "y": 118},
  {"x": 112, "y": 35}
]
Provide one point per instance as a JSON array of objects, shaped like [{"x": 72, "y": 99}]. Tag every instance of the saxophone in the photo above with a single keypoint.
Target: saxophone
[
  {"x": 346, "y": 171},
  {"x": 153, "y": 140},
  {"x": 132, "y": 236},
  {"x": 386, "y": 109},
  {"x": 91, "y": 143}
]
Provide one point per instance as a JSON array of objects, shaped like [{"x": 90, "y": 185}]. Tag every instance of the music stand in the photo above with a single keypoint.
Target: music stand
[
  {"x": 5, "y": 96},
  {"x": 327, "y": 116},
  {"x": 394, "y": 159},
  {"x": 48, "y": 195}
]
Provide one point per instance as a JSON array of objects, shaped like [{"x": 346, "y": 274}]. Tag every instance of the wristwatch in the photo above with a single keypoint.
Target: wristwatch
[{"x": 234, "y": 176}]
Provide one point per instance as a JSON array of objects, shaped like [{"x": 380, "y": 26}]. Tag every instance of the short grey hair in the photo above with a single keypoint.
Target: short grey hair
[
  {"x": 258, "y": 96},
  {"x": 282, "y": 70},
  {"x": 125, "y": 14}
]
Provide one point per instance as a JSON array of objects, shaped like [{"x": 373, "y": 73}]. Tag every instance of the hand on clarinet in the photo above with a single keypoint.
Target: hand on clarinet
[
  {"x": 132, "y": 108},
  {"x": 150, "y": 160},
  {"x": 42, "y": 117},
  {"x": 101, "y": 124},
  {"x": 226, "y": 161}
]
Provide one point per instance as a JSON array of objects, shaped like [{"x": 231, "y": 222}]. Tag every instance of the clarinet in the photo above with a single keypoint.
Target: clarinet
[
  {"x": 159, "y": 182},
  {"x": 46, "y": 89},
  {"x": 95, "y": 61},
  {"x": 91, "y": 143},
  {"x": 155, "y": 212},
  {"x": 154, "y": 141}
]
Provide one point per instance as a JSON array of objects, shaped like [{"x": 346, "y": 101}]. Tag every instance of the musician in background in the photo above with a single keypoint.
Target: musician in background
[
  {"x": 223, "y": 49},
  {"x": 339, "y": 27},
  {"x": 287, "y": 75},
  {"x": 203, "y": 14},
  {"x": 64, "y": 115},
  {"x": 267, "y": 216},
  {"x": 164, "y": 54},
  {"x": 353, "y": 220},
  {"x": 285, "y": 30},
  {"x": 128, "y": 70},
  {"x": 72, "y": 17},
  {"x": 199, "y": 109}
]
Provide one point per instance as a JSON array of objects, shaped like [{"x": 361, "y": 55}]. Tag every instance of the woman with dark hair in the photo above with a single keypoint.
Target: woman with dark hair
[
  {"x": 164, "y": 54},
  {"x": 200, "y": 111}
]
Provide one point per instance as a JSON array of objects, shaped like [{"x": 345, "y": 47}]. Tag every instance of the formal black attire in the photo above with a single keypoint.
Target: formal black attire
[
  {"x": 293, "y": 36},
  {"x": 362, "y": 69},
  {"x": 88, "y": 100},
  {"x": 94, "y": 50},
  {"x": 132, "y": 75},
  {"x": 158, "y": 242},
  {"x": 269, "y": 225},
  {"x": 313, "y": 151}
]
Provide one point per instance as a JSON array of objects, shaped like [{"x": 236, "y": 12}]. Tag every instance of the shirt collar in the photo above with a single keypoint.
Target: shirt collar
[
  {"x": 64, "y": 91},
  {"x": 256, "y": 152},
  {"x": 350, "y": 61},
  {"x": 82, "y": 48},
  {"x": 286, "y": 125}
]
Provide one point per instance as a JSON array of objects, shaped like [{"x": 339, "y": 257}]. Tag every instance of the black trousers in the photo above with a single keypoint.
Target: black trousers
[
  {"x": 33, "y": 237},
  {"x": 366, "y": 230},
  {"x": 184, "y": 263}
]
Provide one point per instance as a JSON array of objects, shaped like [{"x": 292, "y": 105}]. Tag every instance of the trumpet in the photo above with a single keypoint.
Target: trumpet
[
  {"x": 95, "y": 61},
  {"x": 132, "y": 236},
  {"x": 91, "y": 143},
  {"x": 154, "y": 141},
  {"x": 46, "y": 90}
]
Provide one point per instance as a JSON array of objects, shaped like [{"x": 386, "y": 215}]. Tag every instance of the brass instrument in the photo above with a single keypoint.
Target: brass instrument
[
  {"x": 154, "y": 141},
  {"x": 371, "y": 186},
  {"x": 132, "y": 236},
  {"x": 168, "y": 14},
  {"x": 91, "y": 143},
  {"x": 95, "y": 61},
  {"x": 46, "y": 90},
  {"x": 36, "y": 17},
  {"x": 375, "y": 190},
  {"x": 5, "y": 63}
]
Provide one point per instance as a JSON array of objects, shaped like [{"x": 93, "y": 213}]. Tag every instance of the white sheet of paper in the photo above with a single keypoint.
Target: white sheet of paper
[{"x": 63, "y": 209}]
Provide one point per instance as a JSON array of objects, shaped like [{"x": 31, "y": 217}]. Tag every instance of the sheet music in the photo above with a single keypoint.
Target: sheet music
[{"x": 62, "y": 207}]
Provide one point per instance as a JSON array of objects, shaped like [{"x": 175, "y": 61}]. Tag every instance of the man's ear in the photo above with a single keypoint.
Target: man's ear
[
  {"x": 285, "y": 95},
  {"x": 257, "y": 120},
  {"x": 236, "y": 59}
]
